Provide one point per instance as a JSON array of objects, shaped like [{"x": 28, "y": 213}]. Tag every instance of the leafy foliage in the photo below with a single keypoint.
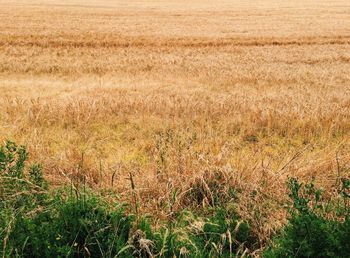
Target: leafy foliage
[
  {"x": 34, "y": 222},
  {"x": 73, "y": 228},
  {"x": 316, "y": 228},
  {"x": 222, "y": 234}
]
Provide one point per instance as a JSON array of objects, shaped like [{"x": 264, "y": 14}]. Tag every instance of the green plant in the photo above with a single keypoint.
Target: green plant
[
  {"x": 21, "y": 193},
  {"x": 35, "y": 222},
  {"x": 222, "y": 234},
  {"x": 317, "y": 227},
  {"x": 72, "y": 228}
]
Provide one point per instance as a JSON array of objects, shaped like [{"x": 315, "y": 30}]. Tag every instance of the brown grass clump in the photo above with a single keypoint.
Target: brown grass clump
[{"x": 186, "y": 99}]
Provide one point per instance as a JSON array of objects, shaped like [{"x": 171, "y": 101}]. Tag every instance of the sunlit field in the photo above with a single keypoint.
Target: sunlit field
[{"x": 141, "y": 98}]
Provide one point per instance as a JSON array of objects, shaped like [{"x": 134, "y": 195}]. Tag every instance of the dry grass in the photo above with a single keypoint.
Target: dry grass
[{"x": 186, "y": 95}]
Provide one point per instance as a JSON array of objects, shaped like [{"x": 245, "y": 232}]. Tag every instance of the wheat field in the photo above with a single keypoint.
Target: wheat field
[{"x": 178, "y": 95}]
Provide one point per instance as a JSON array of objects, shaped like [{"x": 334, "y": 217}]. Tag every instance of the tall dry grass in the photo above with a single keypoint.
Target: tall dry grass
[{"x": 180, "y": 96}]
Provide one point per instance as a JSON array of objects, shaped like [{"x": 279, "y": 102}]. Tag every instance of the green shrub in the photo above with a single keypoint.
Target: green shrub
[
  {"x": 316, "y": 228},
  {"x": 72, "y": 228},
  {"x": 18, "y": 191},
  {"x": 34, "y": 222}
]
